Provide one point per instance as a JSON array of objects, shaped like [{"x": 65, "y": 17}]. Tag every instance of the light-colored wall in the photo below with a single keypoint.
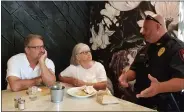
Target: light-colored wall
[{"x": 181, "y": 21}]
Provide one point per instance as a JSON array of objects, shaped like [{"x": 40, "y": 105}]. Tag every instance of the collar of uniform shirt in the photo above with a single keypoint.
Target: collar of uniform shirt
[{"x": 162, "y": 40}]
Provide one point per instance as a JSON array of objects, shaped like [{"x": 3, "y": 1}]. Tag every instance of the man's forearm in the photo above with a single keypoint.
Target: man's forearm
[
  {"x": 47, "y": 76},
  {"x": 173, "y": 85},
  {"x": 23, "y": 84}
]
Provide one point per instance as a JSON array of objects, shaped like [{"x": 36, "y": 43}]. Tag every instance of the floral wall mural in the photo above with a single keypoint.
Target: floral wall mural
[{"x": 115, "y": 26}]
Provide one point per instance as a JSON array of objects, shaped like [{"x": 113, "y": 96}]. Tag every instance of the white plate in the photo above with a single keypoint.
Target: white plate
[{"x": 74, "y": 90}]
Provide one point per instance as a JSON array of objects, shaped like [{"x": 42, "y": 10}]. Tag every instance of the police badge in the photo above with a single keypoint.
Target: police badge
[{"x": 161, "y": 51}]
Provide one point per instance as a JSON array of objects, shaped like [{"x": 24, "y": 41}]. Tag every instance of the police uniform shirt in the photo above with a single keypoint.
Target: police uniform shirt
[{"x": 163, "y": 60}]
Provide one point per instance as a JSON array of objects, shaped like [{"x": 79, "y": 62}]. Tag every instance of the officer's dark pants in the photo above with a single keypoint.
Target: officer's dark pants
[{"x": 163, "y": 103}]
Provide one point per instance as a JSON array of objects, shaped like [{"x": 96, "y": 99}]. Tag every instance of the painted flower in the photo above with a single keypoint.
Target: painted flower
[
  {"x": 111, "y": 11},
  {"x": 169, "y": 10},
  {"x": 124, "y": 5},
  {"x": 109, "y": 14},
  {"x": 100, "y": 39}
]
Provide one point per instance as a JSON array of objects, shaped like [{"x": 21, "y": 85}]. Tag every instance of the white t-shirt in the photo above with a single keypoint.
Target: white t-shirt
[
  {"x": 94, "y": 74},
  {"x": 19, "y": 66}
]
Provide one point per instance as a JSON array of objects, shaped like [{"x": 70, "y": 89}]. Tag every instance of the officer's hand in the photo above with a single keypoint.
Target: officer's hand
[
  {"x": 123, "y": 80},
  {"x": 152, "y": 90}
]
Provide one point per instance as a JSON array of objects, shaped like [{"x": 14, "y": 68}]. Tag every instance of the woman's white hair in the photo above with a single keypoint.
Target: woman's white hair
[{"x": 76, "y": 50}]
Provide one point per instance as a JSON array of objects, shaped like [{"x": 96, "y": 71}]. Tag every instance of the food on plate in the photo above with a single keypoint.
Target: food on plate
[
  {"x": 81, "y": 93},
  {"x": 85, "y": 90}
]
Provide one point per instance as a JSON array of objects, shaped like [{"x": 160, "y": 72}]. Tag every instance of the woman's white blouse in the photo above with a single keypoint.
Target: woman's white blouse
[{"x": 94, "y": 74}]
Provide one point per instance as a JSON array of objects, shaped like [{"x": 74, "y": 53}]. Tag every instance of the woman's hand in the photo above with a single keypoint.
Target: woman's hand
[{"x": 78, "y": 83}]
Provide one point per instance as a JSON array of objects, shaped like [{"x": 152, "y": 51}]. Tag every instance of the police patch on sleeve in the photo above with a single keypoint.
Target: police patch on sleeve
[
  {"x": 161, "y": 51},
  {"x": 181, "y": 53}
]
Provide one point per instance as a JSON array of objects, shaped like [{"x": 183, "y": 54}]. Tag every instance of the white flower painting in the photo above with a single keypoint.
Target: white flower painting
[{"x": 100, "y": 39}]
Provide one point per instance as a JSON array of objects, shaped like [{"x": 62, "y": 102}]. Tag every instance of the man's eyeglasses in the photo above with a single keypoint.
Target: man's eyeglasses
[
  {"x": 37, "y": 47},
  {"x": 148, "y": 17},
  {"x": 85, "y": 52}
]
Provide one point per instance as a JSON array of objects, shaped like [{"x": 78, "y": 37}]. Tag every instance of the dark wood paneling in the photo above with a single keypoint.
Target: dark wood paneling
[
  {"x": 7, "y": 30},
  {"x": 61, "y": 23},
  {"x": 20, "y": 27},
  {"x": 19, "y": 42},
  {"x": 63, "y": 8},
  {"x": 7, "y": 50},
  {"x": 32, "y": 8},
  {"x": 83, "y": 9},
  {"x": 82, "y": 15},
  {"x": 10, "y": 6},
  {"x": 28, "y": 21},
  {"x": 75, "y": 20},
  {"x": 77, "y": 16}
]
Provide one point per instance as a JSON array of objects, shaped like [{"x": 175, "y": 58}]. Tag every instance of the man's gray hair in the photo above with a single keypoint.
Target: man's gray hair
[
  {"x": 31, "y": 37},
  {"x": 76, "y": 50}
]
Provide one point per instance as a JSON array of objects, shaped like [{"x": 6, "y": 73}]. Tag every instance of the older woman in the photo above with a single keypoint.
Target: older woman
[{"x": 83, "y": 70}]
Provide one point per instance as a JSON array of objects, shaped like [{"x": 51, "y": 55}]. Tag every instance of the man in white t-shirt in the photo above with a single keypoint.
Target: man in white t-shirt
[
  {"x": 83, "y": 70},
  {"x": 32, "y": 67}
]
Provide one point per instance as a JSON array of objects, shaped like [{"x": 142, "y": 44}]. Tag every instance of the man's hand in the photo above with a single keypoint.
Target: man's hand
[
  {"x": 123, "y": 80},
  {"x": 38, "y": 80},
  {"x": 43, "y": 57},
  {"x": 152, "y": 90}
]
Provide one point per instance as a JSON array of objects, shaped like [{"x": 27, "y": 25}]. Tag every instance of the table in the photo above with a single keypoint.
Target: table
[{"x": 69, "y": 103}]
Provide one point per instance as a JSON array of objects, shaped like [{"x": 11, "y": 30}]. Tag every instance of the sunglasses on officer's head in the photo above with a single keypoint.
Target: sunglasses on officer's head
[{"x": 148, "y": 17}]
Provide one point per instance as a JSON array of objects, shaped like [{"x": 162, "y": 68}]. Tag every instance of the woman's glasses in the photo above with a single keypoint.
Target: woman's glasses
[
  {"x": 148, "y": 17},
  {"x": 85, "y": 52}
]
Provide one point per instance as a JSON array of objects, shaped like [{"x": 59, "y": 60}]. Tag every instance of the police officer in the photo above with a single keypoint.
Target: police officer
[{"x": 158, "y": 68}]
